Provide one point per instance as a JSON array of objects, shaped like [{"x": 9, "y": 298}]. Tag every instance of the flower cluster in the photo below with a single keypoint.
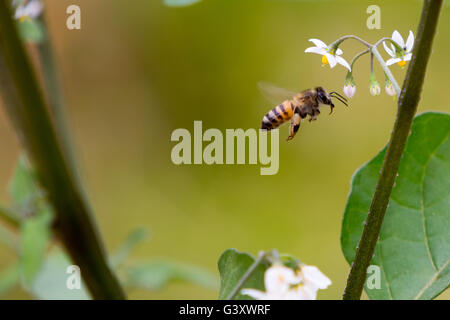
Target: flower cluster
[
  {"x": 283, "y": 283},
  {"x": 399, "y": 51}
]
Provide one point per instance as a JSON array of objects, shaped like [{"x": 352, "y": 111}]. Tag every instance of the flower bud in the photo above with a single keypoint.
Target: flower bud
[
  {"x": 390, "y": 90},
  {"x": 349, "y": 86},
  {"x": 374, "y": 86},
  {"x": 349, "y": 90},
  {"x": 375, "y": 89}
]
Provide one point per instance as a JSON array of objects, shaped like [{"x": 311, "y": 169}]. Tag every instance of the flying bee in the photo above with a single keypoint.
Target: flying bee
[{"x": 296, "y": 107}]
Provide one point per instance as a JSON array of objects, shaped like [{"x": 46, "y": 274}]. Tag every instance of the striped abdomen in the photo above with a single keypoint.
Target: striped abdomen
[{"x": 277, "y": 116}]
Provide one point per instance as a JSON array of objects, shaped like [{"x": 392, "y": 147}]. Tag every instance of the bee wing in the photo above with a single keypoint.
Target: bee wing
[{"x": 274, "y": 94}]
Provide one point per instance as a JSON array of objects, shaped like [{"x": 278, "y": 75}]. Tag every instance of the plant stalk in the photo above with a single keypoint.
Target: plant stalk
[
  {"x": 386, "y": 70},
  {"x": 25, "y": 105},
  {"x": 407, "y": 107},
  {"x": 246, "y": 276}
]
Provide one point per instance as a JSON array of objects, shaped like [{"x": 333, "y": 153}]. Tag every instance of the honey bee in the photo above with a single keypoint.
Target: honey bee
[{"x": 296, "y": 107}]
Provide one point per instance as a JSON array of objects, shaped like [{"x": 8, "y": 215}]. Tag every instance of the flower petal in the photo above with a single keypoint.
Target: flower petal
[
  {"x": 392, "y": 61},
  {"x": 331, "y": 60},
  {"x": 344, "y": 63},
  {"x": 319, "y": 43},
  {"x": 339, "y": 52},
  {"x": 389, "y": 51},
  {"x": 407, "y": 57},
  {"x": 410, "y": 41},
  {"x": 314, "y": 278},
  {"x": 302, "y": 292},
  {"x": 397, "y": 37},
  {"x": 255, "y": 294},
  {"x": 278, "y": 279},
  {"x": 317, "y": 50}
]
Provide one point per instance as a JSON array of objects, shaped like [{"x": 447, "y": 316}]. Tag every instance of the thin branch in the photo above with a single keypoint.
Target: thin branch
[
  {"x": 342, "y": 39},
  {"x": 357, "y": 57},
  {"x": 246, "y": 276},
  {"x": 407, "y": 107},
  {"x": 23, "y": 99}
]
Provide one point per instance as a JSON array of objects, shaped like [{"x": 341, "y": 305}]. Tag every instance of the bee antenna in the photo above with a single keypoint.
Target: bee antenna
[
  {"x": 338, "y": 94},
  {"x": 344, "y": 102}
]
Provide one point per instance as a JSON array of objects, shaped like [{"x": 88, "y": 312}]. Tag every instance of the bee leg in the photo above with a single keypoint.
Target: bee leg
[{"x": 295, "y": 125}]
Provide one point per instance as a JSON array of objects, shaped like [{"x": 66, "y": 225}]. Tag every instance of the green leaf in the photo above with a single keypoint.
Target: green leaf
[
  {"x": 180, "y": 3},
  {"x": 232, "y": 266},
  {"x": 155, "y": 275},
  {"x": 9, "y": 278},
  {"x": 50, "y": 283},
  {"x": 133, "y": 239},
  {"x": 413, "y": 251},
  {"x": 35, "y": 236}
]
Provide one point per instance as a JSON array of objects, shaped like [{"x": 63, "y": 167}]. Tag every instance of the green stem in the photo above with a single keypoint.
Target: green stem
[
  {"x": 386, "y": 70},
  {"x": 342, "y": 39},
  {"x": 54, "y": 93},
  {"x": 25, "y": 105},
  {"x": 359, "y": 55},
  {"x": 246, "y": 276},
  {"x": 407, "y": 107}
]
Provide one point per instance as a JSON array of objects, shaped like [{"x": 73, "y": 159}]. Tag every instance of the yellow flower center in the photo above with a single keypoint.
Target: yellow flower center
[
  {"x": 24, "y": 18},
  {"x": 402, "y": 63},
  {"x": 324, "y": 60}
]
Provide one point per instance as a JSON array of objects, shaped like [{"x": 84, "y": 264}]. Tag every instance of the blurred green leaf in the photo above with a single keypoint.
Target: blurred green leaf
[
  {"x": 9, "y": 278},
  {"x": 155, "y": 275},
  {"x": 232, "y": 266},
  {"x": 23, "y": 188},
  {"x": 133, "y": 239},
  {"x": 36, "y": 220},
  {"x": 50, "y": 282},
  {"x": 31, "y": 30},
  {"x": 180, "y": 3},
  {"x": 413, "y": 251},
  {"x": 35, "y": 236}
]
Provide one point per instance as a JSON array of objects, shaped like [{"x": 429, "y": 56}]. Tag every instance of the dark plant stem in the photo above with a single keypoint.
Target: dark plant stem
[
  {"x": 24, "y": 102},
  {"x": 54, "y": 93},
  {"x": 407, "y": 107}
]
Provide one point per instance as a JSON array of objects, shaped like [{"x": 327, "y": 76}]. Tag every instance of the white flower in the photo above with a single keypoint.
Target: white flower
[
  {"x": 30, "y": 10},
  {"x": 405, "y": 54},
  {"x": 349, "y": 90},
  {"x": 329, "y": 55},
  {"x": 277, "y": 280},
  {"x": 313, "y": 280},
  {"x": 282, "y": 283},
  {"x": 390, "y": 90}
]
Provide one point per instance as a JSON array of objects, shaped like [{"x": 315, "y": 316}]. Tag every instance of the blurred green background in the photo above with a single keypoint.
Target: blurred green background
[{"x": 138, "y": 70}]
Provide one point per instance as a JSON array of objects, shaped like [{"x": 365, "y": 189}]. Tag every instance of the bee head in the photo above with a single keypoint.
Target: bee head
[{"x": 324, "y": 97}]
